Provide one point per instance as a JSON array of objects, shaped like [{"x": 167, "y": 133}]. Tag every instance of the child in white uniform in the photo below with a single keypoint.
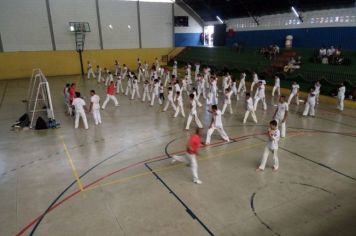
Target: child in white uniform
[
  {"x": 281, "y": 114},
  {"x": 254, "y": 80},
  {"x": 193, "y": 113},
  {"x": 277, "y": 86},
  {"x": 309, "y": 108},
  {"x": 179, "y": 105},
  {"x": 260, "y": 96},
  {"x": 317, "y": 87},
  {"x": 170, "y": 100},
  {"x": 176, "y": 89},
  {"x": 135, "y": 88},
  {"x": 196, "y": 97},
  {"x": 214, "y": 92},
  {"x": 146, "y": 91},
  {"x": 242, "y": 85},
  {"x": 216, "y": 123},
  {"x": 249, "y": 109},
  {"x": 197, "y": 68},
  {"x": 140, "y": 73},
  {"x": 117, "y": 67},
  {"x": 119, "y": 85},
  {"x": 294, "y": 93},
  {"x": 90, "y": 71},
  {"x": 201, "y": 86},
  {"x": 272, "y": 146},
  {"x": 227, "y": 101},
  {"x": 80, "y": 109},
  {"x": 340, "y": 97},
  {"x": 124, "y": 72},
  {"x": 155, "y": 93},
  {"x": 109, "y": 78},
  {"x": 95, "y": 107},
  {"x": 175, "y": 67},
  {"x": 98, "y": 73},
  {"x": 184, "y": 85},
  {"x": 129, "y": 85},
  {"x": 189, "y": 75}
]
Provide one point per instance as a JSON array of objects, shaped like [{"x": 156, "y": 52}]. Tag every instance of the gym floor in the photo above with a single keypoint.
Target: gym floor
[{"x": 127, "y": 185}]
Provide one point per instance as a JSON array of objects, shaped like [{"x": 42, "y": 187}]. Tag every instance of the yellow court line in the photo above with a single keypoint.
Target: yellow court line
[
  {"x": 125, "y": 179},
  {"x": 75, "y": 173}
]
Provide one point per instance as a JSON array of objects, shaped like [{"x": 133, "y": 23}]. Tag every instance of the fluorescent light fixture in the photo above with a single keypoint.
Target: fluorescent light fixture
[
  {"x": 295, "y": 12},
  {"x": 71, "y": 28},
  {"x": 129, "y": 26},
  {"x": 219, "y": 19},
  {"x": 110, "y": 26}
]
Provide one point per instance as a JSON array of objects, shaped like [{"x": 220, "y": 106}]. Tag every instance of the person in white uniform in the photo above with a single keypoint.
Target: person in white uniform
[
  {"x": 124, "y": 72},
  {"x": 80, "y": 109},
  {"x": 119, "y": 84},
  {"x": 254, "y": 80},
  {"x": 129, "y": 85},
  {"x": 196, "y": 98},
  {"x": 249, "y": 109},
  {"x": 216, "y": 123},
  {"x": 277, "y": 86},
  {"x": 155, "y": 93},
  {"x": 242, "y": 85},
  {"x": 201, "y": 86},
  {"x": 227, "y": 101},
  {"x": 98, "y": 73},
  {"x": 272, "y": 146},
  {"x": 109, "y": 78},
  {"x": 341, "y": 97},
  {"x": 193, "y": 113},
  {"x": 185, "y": 85},
  {"x": 140, "y": 73},
  {"x": 197, "y": 70},
  {"x": 167, "y": 78},
  {"x": 281, "y": 114},
  {"x": 309, "y": 108},
  {"x": 176, "y": 89},
  {"x": 189, "y": 75},
  {"x": 180, "y": 107},
  {"x": 260, "y": 96},
  {"x": 146, "y": 91},
  {"x": 294, "y": 93},
  {"x": 95, "y": 107},
  {"x": 175, "y": 68},
  {"x": 90, "y": 71},
  {"x": 213, "y": 91},
  {"x": 135, "y": 88},
  {"x": 170, "y": 100},
  {"x": 317, "y": 87}
]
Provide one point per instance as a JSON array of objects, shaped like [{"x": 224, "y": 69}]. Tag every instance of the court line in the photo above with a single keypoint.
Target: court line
[{"x": 74, "y": 169}]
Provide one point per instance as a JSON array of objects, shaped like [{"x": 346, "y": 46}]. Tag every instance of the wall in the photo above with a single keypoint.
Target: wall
[
  {"x": 187, "y": 36},
  {"x": 330, "y": 27}
]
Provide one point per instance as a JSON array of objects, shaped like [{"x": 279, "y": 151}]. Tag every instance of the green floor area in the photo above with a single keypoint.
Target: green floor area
[{"x": 249, "y": 59}]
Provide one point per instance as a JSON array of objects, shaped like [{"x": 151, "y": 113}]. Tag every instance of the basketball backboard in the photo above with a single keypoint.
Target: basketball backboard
[{"x": 79, "y": 27}]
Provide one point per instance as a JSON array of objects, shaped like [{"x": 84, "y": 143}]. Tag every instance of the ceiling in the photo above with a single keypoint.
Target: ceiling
[{"x": 227, "y": 9}]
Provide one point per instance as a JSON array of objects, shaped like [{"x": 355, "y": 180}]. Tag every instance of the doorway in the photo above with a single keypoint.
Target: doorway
[{"x": 209, "y": 35}]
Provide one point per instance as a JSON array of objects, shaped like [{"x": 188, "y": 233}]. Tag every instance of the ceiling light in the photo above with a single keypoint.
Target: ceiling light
[
  {"x": 295, "y": 12},
  {"x": 219, "y": 19}
]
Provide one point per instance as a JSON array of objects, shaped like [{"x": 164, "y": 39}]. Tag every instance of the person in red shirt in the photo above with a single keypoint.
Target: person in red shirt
[
  {"x": 71, "y": 93},
  {"x": 190, "y": 156},
  {"x": 110, "y": 95}
]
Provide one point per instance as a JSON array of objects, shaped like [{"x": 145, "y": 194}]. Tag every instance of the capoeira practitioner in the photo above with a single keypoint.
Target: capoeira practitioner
[
  {"x": 185, "y": 85},
  {"x": 340, "y": 97},
  {"x": 277, "y": 86},
  {"x": 170, "y": 100},
  {"x": 175, "y": 68},
  {"x": 161, "y": 91},
  {"x": 167, "y": 78},
  {"x": 272, "y": 146},
  {"x": 242, "y": 85},
  {"x": 117, "y": 68},
  {"x": 227, "y": 101},
  {"x": 129, "y": 85},
  {"x": 109, "y": 78},
  {"x": 176, "y": 89},
  {"x": 294, "y": 93},
  {"x": 179, "y": 105},
  {"x": 189, "y": 75},
  {"x": 140, "y": 72},
  {"x": 317, "y": 87},
  {"x": 197, "y": 71},
  {"x": 226, "y": 81},
  {"x": 254, "y": 80},
  {"x": 190, "y": 156},
  {"x": 213, "y": 91},
  {"x": 193, "y": 113},
  {"x": 216, "y": 123},
  {"x": 95, "y": 107},
  {"x": 124, "y": 72},
  {"x": 98, "y": 73},
  {"x": 157, "y": 64},
  {"x": 309, "y": 108},
  {"x": 80, "y": 109},
  {"x": 146, "y": 91},
  {"x": 201, "y": 86},
  {"x": 260, "y": 96},
  {"x": 135, "y": 88},
  {"x": 155, "y": 93},
  {"x": 110, "y": 95},
  {"x": 146, "y": 71},
  {"x": 196, "y": 98},
  {"x": 249, "y": 109},
  {"x": 119, "y": 84},
  {"x": 90, "y": 71},
  {"x": 234, "y": 88},
  {"x": 281, "y": 114}
]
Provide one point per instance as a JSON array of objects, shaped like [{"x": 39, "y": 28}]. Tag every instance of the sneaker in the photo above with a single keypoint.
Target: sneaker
[{"x": 197, "y": 181}]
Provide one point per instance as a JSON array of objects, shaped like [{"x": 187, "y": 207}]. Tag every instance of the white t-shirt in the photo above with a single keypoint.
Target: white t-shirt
[
  {"x": 317, "y": 88},
  {"x": 78, "y": 104},
  {"x": 341, "y": 91},
  {"x": 228, "y": 97},
  {"x": 170, "y": 95},
  {"x": 249, "y": 104},
  {"x": 217, "y": 119},
  {"x": 261, "y": 91},
  {"x": 281, "y": 110},
  {"x": 273, "y": 144},
  {"x": 193, "y": 109},
  {"x": 295, "y": 88},
  {"x": 95, "y": 99},
  {"x": 277, "y": 82},
  {"x": 311, "y": 98},
  {"x": 177, "y": 88},
  {"x": 180, "y": 100}
]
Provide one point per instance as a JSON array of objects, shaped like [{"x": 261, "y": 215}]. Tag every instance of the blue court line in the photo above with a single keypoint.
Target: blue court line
[{"x": 188, "y": 210}]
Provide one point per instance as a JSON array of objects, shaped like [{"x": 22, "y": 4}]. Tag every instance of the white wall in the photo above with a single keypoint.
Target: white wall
[
  {"x": 119, "y": 14},
  {"x": 64, "y": 11},
  {"x": 24, "y": 25},
  {"x": 194, "y": 26},
  {"x": 312, "y": 19},
  {"x": 156, "y": 25}
]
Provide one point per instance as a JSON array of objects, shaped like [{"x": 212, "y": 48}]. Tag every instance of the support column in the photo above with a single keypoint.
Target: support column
[
  {"x": 99, "y": 24},
  {"x": 50, "y": 24},
  {"x": 139, "y": 24}
]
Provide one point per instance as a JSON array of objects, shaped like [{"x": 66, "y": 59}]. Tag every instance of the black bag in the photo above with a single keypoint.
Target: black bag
[
  {"x": 24, "y": 120},
  {"x": 41, "y": 123}
]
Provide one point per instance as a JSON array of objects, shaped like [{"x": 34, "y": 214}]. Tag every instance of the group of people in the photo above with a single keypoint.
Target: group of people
[
  {"x": 330, "y": 55},
  {"x": 270, "y": 52},
  {"x": 158, "y": 82}
]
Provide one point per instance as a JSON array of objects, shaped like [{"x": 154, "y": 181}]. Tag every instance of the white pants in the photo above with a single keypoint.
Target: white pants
[
  {"x": 196, "y": 119},
  {"x": 110, "y": 97},
  {"x": 309, "y": 109},
  {"x": 99, "y": 77},
  {"x": 108, "y": 80},
  {"x": 91, "y": 73},
  {"x": 192, "y": 160},
  {"x": 119, "y": 87},
  {"x": 224, "y": 108},
  {"x": 278, "y": 90},
  {"x": 214, "y": 98},
  {"x": 247, "y": 113},
  {"x": 221, "y": 132},
  {"x": 84, "y": 118},
  {"x": 265, "y": 157},
  {"x": 283, "y": 126},
  {"x": 135, "y": 90},
  {"x": 153, "y": 99},
  {"x": 257, "y": 99},
  {"x": 128, "y": 90},
  {"x": 140, "y": 75},
  {"x": 169, "y": 102},
  {"x": 340, "y": 103},
  {"x": 180, "y": 108},
  {"x": 97, "y": 116},
  {"x": 291, "y": 97},
  {"x": 201, "y": 90},
  {"x": 146, "y": 93}
]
